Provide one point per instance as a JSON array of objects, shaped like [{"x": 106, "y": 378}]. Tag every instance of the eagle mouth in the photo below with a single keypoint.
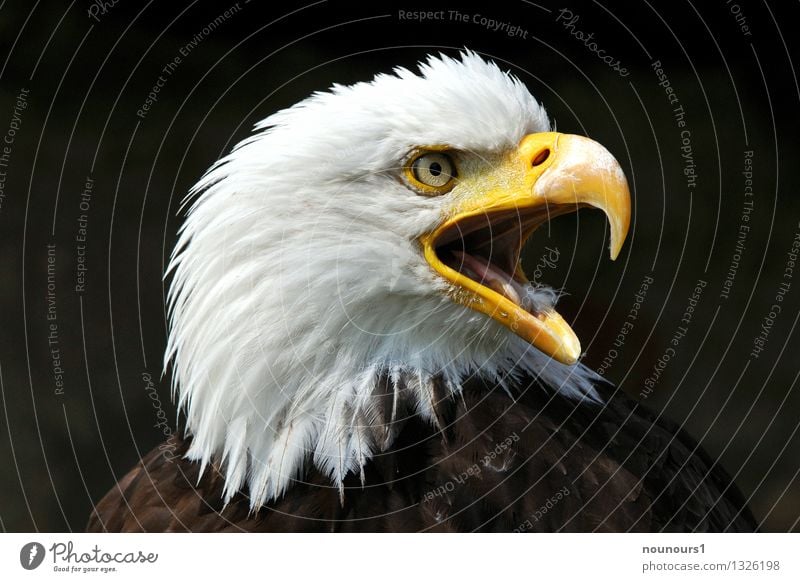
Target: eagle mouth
[
  {"x": 486, "y": 249},
  {"x": 476, "y": 248}
]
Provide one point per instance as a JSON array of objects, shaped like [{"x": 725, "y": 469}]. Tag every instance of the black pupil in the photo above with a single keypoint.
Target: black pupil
[{"x": 435, "y": 169}]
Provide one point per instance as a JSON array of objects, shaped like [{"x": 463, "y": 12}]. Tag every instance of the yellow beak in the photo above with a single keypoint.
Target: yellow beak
[{"x": 549, "y": 174}]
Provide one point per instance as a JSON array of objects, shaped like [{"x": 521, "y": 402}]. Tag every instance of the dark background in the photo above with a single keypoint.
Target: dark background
[{"x": 87, "y": 79}]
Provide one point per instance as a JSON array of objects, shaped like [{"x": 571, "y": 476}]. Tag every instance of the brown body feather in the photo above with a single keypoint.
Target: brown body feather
[{"x": 534, "y": 463}]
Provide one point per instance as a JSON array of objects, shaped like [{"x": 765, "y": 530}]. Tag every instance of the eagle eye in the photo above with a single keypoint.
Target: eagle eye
[{"x": 431, "y": 173}]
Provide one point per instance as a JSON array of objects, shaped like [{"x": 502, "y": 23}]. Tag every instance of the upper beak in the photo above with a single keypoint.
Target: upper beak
[{"x": 547, "y": 175}]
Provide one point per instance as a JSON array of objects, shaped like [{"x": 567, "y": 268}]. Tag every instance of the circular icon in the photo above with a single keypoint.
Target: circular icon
[{"x": 31, "y": 555}]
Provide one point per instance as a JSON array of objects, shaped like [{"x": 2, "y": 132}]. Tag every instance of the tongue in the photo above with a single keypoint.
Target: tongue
[{"x": 492, "y": 277}]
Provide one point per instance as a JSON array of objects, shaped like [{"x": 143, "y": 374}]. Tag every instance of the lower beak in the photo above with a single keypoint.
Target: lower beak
[{"x": 549, "y": 174}]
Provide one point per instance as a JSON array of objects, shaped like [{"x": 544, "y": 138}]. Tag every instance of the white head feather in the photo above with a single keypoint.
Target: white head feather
[{"x": 299, "y": 284}]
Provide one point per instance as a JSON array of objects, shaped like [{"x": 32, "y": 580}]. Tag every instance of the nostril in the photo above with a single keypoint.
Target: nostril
[{"x": 540, "y": 157}]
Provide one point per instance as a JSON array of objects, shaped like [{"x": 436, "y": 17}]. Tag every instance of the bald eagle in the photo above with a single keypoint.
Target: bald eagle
[{"x": 355, "y": 346}]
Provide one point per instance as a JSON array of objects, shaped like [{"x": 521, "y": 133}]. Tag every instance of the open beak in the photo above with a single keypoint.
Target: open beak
[{"x": 478, "y": 245}]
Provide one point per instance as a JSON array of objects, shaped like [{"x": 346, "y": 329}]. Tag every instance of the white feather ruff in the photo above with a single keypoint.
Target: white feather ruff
[{"x": 298, "y": 283}]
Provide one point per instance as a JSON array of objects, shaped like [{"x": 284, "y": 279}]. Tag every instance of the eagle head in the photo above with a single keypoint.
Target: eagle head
[{"x": 366, "y": 241}]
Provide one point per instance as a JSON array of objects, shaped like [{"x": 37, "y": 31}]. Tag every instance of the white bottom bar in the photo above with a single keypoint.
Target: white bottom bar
[{"x": 388, "y": 557}]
